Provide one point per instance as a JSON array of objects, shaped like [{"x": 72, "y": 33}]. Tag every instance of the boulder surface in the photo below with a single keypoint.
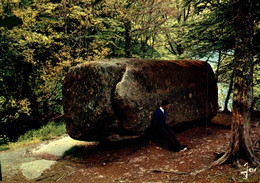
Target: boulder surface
[{"x": 119, "y": 96}]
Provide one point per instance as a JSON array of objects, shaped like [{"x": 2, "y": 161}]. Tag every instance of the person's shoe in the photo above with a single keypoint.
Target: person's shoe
[{"x": 183, "y": 148}]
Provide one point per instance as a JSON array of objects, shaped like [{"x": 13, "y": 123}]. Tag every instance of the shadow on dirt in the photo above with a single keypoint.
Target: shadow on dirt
[
  {"x": 108, "y": 151},
  {"x": 104, "y": 152}
]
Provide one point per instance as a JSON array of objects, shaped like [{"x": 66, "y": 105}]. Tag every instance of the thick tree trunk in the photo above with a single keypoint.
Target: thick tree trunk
[
  {"x": 241, "y": 144},
  {"x": 243, "y": 70}
]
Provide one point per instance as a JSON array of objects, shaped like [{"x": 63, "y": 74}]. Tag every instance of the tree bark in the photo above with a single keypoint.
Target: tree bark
[
  {"x": 218, "y": 66},
  {"x": 241, "y": 143},
  {"x": 127, "y": 24},
  {"x": 230, "y": 88}
]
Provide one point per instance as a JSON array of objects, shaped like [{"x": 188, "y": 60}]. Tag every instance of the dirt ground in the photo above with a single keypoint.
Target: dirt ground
[
  {"x": 142, "y": 161},
  {"x": 139, "y": 160}
]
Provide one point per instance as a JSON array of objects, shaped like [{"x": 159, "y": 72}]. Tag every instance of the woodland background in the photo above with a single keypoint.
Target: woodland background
[{"x": 41, "y": 39}]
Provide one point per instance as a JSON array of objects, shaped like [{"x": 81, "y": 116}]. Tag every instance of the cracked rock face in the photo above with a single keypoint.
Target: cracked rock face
[{"x": 103, "y": 98}]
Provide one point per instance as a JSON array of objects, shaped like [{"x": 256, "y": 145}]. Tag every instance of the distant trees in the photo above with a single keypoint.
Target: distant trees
[{"x": 209, "y": 32}]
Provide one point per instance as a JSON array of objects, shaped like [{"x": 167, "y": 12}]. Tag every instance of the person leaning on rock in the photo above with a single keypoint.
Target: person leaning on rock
[{"x": 160, "y": 131}]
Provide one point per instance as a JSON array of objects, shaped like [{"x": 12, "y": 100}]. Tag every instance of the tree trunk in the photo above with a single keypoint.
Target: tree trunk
[
  {"x": 241, "y": 143},
  {"x": 230, "y": 88},
  {"x": 144, "y": 46},
  {"x": 127, "y": 38}
]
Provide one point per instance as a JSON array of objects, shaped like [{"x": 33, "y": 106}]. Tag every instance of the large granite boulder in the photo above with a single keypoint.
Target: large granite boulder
[{"x": 102, "y": 98}]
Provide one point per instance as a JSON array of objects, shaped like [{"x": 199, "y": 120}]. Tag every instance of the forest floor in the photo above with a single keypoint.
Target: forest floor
[{"x": 137, "y": 160}]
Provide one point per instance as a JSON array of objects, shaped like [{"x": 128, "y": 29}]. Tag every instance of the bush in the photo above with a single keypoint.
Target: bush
[{"x": 46, "y": 132}]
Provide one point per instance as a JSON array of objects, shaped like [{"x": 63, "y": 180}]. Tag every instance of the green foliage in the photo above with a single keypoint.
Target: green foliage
[
  {"x": 46, "y": 132},
  {"x": 209, "y": 29},
  {"x": 13, "y": 87},
  {"x": 3, "y": 139},
  {"x": 4, "y": 147}
]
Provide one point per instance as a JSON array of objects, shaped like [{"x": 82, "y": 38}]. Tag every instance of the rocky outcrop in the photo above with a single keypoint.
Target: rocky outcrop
[{"x": 101, "y": 98}]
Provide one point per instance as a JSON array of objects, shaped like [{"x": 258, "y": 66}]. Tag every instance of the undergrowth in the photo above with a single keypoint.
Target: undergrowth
[{"x": 46, "y": 132}]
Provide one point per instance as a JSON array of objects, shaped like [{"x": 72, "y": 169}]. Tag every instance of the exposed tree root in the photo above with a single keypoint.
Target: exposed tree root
[
  {"x": 222, "y": 158},
  {"x": 257, "y": 144}
]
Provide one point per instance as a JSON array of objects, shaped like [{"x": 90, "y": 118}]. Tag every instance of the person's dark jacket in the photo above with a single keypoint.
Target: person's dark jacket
[{"x": 159, "y": 118}]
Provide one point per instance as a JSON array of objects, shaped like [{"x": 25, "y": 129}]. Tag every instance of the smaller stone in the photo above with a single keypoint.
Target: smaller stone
[{"x": 34, "y": 169}]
